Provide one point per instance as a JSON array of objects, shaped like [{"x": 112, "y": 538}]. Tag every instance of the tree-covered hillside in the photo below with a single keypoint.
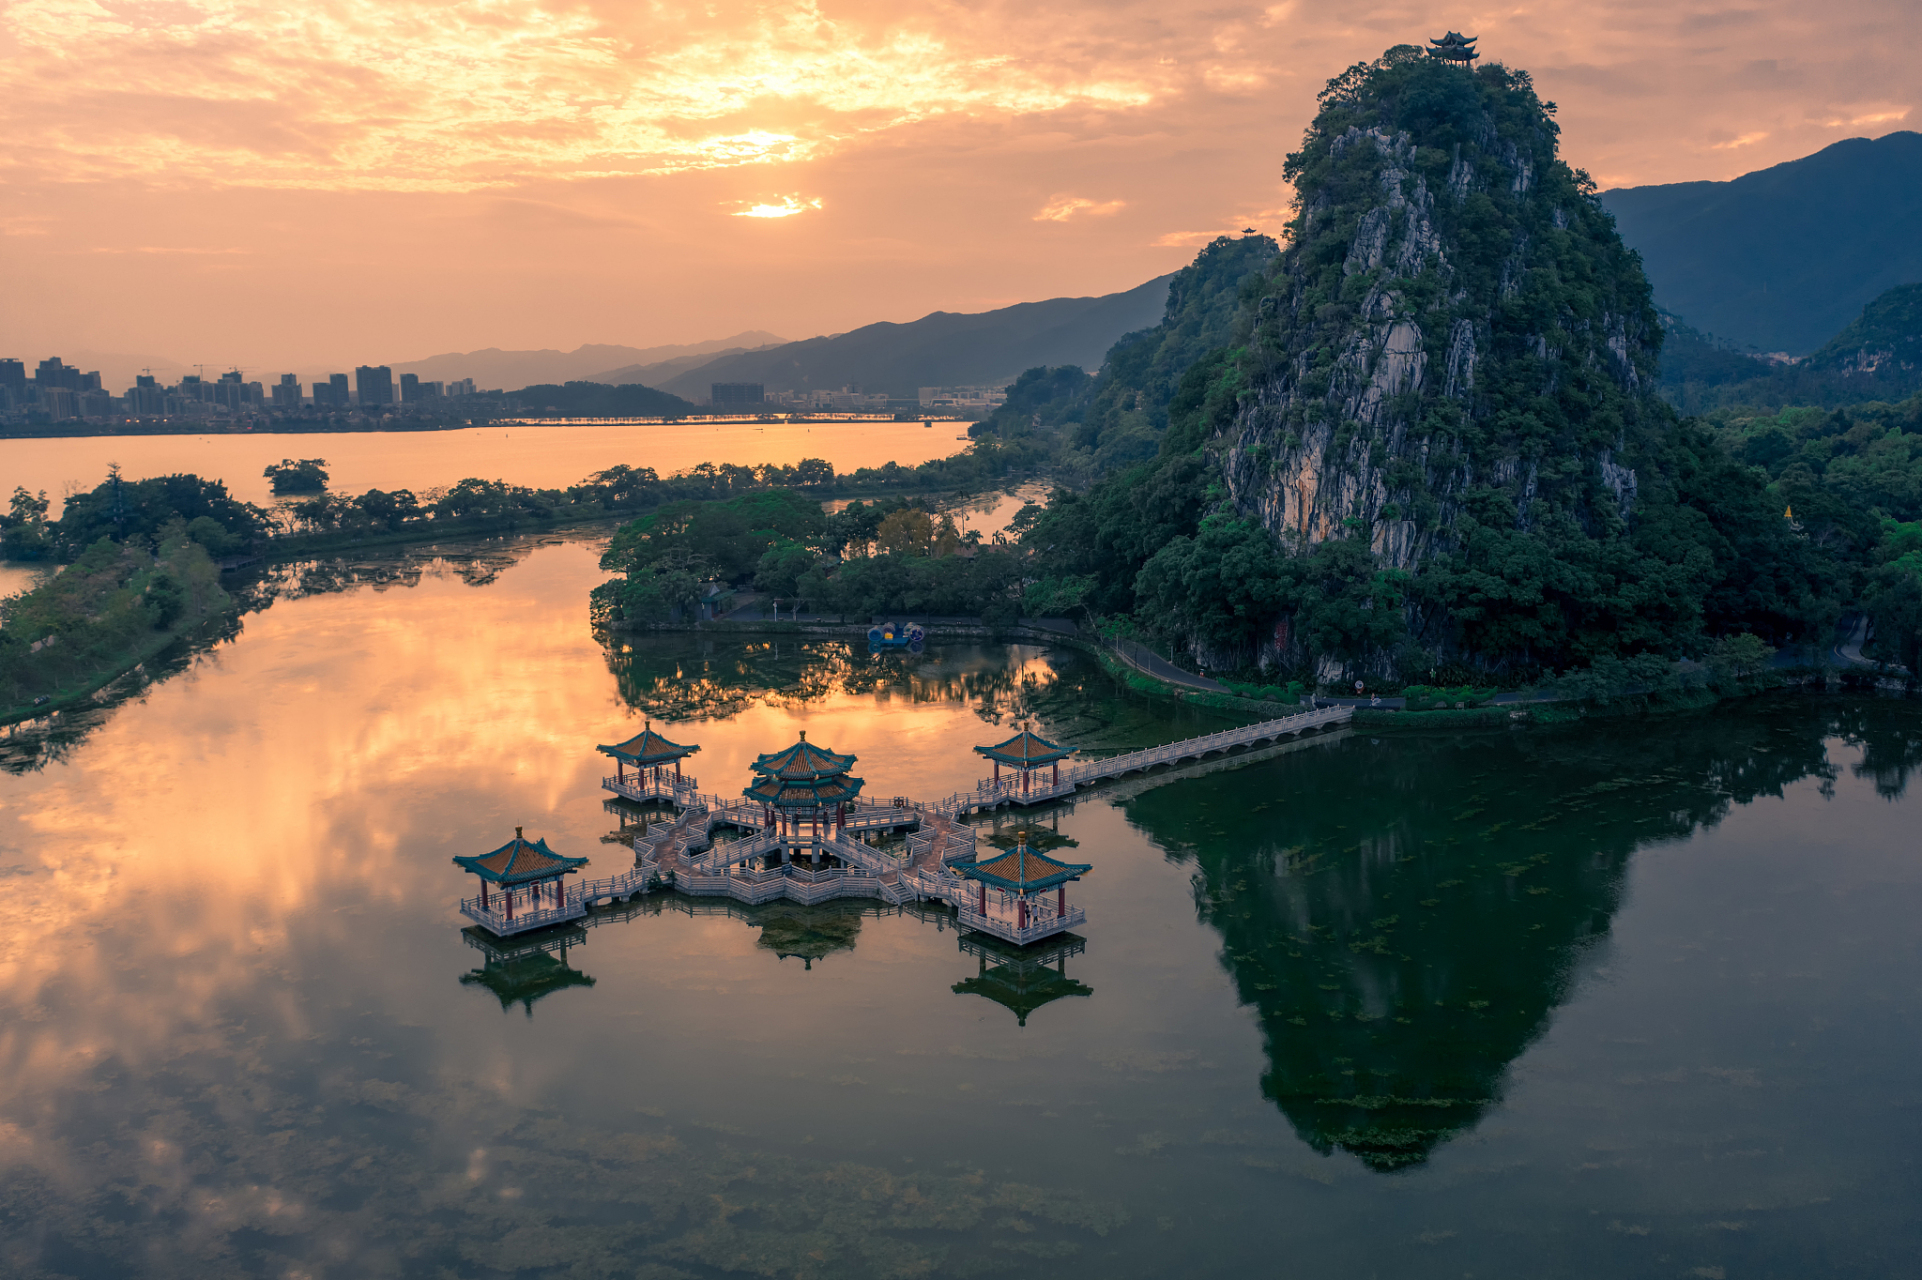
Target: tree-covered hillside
[
  {"x": 1781, "y": 258},
  {"x": 599, "y": 400},
  {"x": 1878, "y": 356},
  {"x": 1434, "y": 439},
  {"x": 1114, "y": 418}
]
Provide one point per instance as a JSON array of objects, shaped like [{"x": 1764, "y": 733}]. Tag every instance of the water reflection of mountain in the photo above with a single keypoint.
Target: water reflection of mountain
[
  {"x": 33, "y": 745},
  {"x": 1405, "y": 917}
]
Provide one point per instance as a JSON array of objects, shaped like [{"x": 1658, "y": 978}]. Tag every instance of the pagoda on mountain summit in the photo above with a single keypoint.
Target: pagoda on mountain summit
[{"x": 1454, "y": 47}]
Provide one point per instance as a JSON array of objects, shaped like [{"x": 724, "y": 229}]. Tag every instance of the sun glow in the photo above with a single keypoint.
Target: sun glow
[{"x": 789, "y": 206}]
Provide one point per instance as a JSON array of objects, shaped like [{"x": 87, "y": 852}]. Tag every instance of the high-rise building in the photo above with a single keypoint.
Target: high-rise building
[
  {"x": 373, "y": 385},
  {"x": 461, "y": 387},
  {"x": 89, "y": 381},
  {"x": 737, "y": 395},
  {"x": 13, "y": 378},
  {"x": 146, "y": 395},
  {"x": 51, "y": 372},
  {"x": 59, "y": 402},
  {"x": 332, "y": 394},
  {"x": 287, "y": 393}
]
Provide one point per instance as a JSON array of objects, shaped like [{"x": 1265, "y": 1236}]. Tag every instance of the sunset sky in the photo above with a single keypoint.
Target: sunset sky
[{"x": 356, "y": 180}]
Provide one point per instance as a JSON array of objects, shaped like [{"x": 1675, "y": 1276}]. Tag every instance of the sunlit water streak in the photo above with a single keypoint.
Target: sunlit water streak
[{"x": 242, "y": 1033}]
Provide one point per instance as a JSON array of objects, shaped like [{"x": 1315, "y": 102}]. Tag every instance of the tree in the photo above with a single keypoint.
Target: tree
[
  {"x": 23, "y": 530},
  {"x": 308, "y": 475},
  {"x": 909, "y": 531},
  {"x": 1738, "y": 657}
]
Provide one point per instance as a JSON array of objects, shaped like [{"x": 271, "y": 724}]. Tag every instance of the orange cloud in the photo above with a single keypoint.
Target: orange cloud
[
  {"x": 479, "y": 93},
  {"x": 1061, "y": 208}
]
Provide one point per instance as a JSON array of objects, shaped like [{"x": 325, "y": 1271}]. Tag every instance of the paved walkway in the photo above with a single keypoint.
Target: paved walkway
[{"x": 1150, "y": 663}]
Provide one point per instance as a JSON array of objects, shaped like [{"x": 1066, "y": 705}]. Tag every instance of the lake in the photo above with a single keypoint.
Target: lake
[
  {"x": 1634, "y": 998},
  {"x": 538, "y": 457}
]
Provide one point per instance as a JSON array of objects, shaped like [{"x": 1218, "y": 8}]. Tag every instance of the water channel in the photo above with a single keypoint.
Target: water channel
[
  {"x": 1622, "y": 999},
  {"x": 540, "y": 457}
]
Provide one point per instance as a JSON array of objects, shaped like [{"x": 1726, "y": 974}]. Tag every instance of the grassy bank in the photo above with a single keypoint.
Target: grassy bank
[{"x": 114, "y": 608}]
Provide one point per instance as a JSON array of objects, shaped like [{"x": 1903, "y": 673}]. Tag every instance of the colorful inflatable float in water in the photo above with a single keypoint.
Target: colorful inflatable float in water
[{"x": 896, "y": 635}]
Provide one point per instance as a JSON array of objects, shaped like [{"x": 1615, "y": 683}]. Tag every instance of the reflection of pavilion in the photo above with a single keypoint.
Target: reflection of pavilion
[
  {"x": 523, "y": 972},
  {"x": 1020, "y": 977}
]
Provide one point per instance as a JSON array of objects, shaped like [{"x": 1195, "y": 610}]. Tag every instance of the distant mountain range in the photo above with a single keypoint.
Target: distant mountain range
[
  {"x": 1783, "y": 258},
  {"x": 945, "y": 349},
  {"x": 512, "y": 370}
]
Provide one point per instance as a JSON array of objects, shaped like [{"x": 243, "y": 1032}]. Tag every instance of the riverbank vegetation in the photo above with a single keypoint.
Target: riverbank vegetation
[{"x": 116, "y": 605}]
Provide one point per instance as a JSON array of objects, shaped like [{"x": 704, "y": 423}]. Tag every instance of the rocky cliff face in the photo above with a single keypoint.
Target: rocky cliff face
[{"x": 1454, "y": 327}]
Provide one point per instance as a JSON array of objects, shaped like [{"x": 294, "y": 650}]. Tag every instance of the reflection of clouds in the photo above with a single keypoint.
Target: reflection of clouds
[
  {"x": 282, "y": 784},
  {"x": 260, "y": 810}
]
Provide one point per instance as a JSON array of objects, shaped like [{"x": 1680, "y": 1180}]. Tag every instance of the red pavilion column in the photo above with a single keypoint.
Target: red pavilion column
[
  {"x": 1021, "y": 912},
  {"x": 483, "y": 895},
  {"x": 997, "y": 774},
  {"x": 1057, "y": 773},
  {"x": 1061, "y": 899}
]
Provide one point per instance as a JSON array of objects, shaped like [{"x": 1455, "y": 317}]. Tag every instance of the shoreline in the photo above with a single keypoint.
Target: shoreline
[{"x": 1536, "y": 712}]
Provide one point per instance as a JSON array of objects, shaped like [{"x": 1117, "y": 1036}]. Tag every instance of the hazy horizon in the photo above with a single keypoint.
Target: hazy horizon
[{"x": 237, "y": 186}]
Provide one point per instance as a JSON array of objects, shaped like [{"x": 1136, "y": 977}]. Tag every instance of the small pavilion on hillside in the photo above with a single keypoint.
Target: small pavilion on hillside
[
  {"x": 1025, "y": 753},
  {"x": 650, "y": 754},
  {"x": 1020, "y": 909},
  {"x": 1454, "y": 47},
  {"x": 801, "y": 789},
  {"x": 526, "y": 874}
]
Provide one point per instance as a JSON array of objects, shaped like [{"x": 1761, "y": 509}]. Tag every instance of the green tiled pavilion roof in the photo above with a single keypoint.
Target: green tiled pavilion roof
[
  {"x": 1024, "y": 870},
  {"x": 803, "y": 762},
  {"x": 647, "y": 747},
  {"x": 806, "y": 793},
  {"x": 1025, "y": 749},
  {"x": 519, "y": 861}
]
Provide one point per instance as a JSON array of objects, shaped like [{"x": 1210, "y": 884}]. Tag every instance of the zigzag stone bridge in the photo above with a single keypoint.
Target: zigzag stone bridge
[{"x": 718, "y": 846}]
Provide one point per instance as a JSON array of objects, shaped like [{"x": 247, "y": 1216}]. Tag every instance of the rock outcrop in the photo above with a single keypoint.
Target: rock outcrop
[{"x": 1453, "y": 324}]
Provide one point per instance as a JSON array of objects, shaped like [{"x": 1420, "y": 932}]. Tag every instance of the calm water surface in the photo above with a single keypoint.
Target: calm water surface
[
  {"x": 1628, "y": 1000},
  {"x": 538, "y": 457}
]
